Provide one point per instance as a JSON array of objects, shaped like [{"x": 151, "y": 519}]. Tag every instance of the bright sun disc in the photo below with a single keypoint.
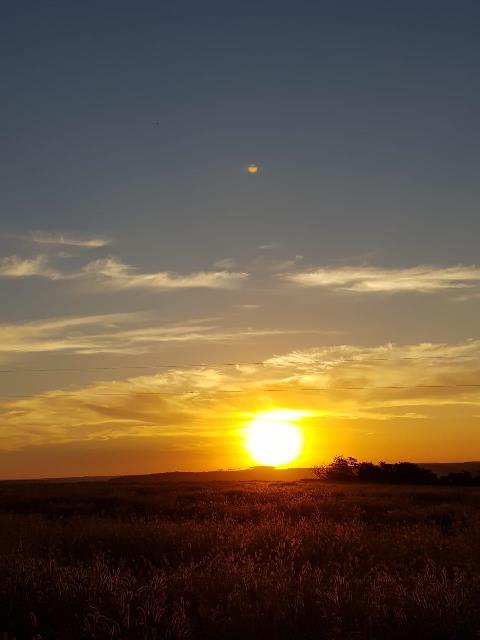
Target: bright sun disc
[{"x": 273, "y": 439}]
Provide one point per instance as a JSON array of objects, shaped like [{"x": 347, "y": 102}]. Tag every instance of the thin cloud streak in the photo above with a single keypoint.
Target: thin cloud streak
[
  {"x": 53, "y": 334},
  {"x": 427, "y": 353},
  {"x": 97, "y": 334},
  {"x": 69, "y": 239},
  {"x": 59, "y": 238},
  {"x": 112, "y": 274},
  {"x": 421, "y": 279}
]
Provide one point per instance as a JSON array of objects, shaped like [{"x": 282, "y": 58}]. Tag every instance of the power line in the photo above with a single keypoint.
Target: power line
[
  {"x": 199, "y": 393},
  {"x": 134, "y": 366},
  {"x": 206, "y": 365}
]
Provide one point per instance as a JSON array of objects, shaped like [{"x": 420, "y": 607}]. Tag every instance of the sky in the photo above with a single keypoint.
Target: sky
[{"x": 156, "y": 297}]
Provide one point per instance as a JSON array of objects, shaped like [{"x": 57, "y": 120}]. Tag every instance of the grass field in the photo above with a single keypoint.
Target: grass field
[{"x": 238, "y": 560}]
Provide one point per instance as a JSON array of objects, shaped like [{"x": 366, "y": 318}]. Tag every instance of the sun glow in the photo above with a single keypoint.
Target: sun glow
[{"x": 273, "y": 438}]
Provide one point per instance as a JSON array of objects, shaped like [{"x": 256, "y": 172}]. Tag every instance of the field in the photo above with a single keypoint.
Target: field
[{"x": 238, "y": 560}]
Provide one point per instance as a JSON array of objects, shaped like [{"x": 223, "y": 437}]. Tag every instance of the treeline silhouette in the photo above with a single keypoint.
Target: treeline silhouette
[{"x": 348, "y": 469}]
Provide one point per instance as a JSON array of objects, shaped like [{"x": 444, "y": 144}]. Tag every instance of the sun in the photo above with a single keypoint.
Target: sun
[{"x": 272, "y": 438}]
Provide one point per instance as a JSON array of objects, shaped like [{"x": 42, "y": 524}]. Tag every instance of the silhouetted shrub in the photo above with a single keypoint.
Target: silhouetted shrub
[
  {"x": 340, "y": 470},
  {"x": 407, "y": 473},
  {"x": 350, "y": 470}
]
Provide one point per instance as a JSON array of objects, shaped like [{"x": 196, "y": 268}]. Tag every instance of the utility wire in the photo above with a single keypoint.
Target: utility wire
[
  {"x": 203, "y": 365},
  {"x": 206, "y": 365},
  {"x": 200, "y": 393}
]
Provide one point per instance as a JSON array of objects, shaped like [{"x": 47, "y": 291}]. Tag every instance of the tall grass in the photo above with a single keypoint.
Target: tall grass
[{"x": 236, "y": 561}]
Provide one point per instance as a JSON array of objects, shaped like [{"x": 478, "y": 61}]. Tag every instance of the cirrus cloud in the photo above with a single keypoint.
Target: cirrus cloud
[
  {"x": 58, "y": 238},
  {"x": 421, "y": 279},
  {"x": 15, "y": 267},
  {"x": 114, "y": 274},
  {"x": 118, "y": 333}
]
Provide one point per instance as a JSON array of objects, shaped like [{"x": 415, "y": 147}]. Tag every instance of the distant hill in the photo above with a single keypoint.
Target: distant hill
[
  {"x": 261, "y": 473},
  {"x": 444, "y": 468},
  {"x": 254, "y": 473},
  {"x": 271, "y": 473},
  {"x": 67, "y": 480}
]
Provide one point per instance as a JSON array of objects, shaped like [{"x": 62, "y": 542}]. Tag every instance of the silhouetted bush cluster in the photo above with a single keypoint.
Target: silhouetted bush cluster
[{"x": 348, "y": 469}]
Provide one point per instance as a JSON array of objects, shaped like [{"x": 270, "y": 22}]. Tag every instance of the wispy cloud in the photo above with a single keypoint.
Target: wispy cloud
[
  {"x": 422, "y": 279},
  {"x": 15, "y": 267},
  {"x": 266, "y": 246},
  {"x": 425, "y": 354},
  {"x": 65, "y": 239},
  {"x": 387, "y": 376},
  {"x": 110, "y": 333},
  {"x": 60, "y": 334},
  {"x": 225, "y": 263},
  {"x": 112, "y": 273},
  {"x": 283, "y": 265}
]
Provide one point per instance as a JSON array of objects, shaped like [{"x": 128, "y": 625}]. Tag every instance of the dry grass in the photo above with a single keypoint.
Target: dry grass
[{"x": 238, "y": 560}]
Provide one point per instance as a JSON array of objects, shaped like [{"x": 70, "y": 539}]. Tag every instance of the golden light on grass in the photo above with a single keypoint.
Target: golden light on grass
[
  {"x": 252, "y": 168},
  {"x": 273, "y": 438}
]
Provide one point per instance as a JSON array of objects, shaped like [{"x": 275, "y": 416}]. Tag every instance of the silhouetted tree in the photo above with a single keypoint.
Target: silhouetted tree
[
  {"x": 408, "y": 473},
  {"x": 340, "y": 470},
  {"x": 369, "y": 472},
  {"x": 348, "y": 469}
]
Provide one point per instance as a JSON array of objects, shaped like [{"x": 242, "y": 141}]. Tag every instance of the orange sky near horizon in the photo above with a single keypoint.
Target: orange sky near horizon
[{"x": 385, "y": 403}]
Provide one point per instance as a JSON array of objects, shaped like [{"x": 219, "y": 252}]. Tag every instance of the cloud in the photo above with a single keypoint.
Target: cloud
[
  {"x": 137, "y": 407},
  {"x": 467, "y": 297},
  {"x": 283, "y": 265},
  {"x": 267, "y": 246},
  {"x": 60, "y": 334},
  {"x": 198, "y": 411},
  {"x": 14, "y": 267},
  {"x": 390, "y": 354},
  {"x": 65, "y": 239},
  {"x": 225, "y": 263},
  {"x": 422, "y": 279},
  {"x": 344, "y": 382},
  {"x": 379, "y": 379},
  {"x": 111, "y": 333},
  {"x": 114, "y": 274},
  {"x": 193, "y": 406}
]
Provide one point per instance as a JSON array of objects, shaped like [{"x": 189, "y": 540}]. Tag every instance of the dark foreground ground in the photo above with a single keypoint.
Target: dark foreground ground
[{"x": 238, "y": 560}]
